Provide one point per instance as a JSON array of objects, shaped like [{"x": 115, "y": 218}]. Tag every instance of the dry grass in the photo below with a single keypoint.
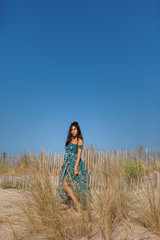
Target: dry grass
[
  {"x": 146, "y": 208},
  {"x": 20, "y": 166},
  {"x": 116, "y": 200},
  {"x": 44, "y": 213},
  {"x": 111, "y": 205}
]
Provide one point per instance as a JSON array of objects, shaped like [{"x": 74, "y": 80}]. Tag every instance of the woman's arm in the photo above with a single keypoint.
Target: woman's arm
[
  {"x": 79, "y": 156},
  {"x": 60, "y": 167},
  {"x": 61, "y": 164}
]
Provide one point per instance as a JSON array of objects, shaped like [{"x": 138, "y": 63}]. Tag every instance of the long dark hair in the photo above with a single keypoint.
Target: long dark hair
[{"x": 69, "y": 136}]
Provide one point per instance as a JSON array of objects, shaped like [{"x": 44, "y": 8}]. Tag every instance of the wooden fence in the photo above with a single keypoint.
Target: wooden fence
[
  {"x": 25, "y": 182},
  {"x": 90, "y": 156},
  {"x": 96, "y": 163}
]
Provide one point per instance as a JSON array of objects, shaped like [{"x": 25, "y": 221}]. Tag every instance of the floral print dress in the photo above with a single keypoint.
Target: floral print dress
[{"x": 78, "y": 183}]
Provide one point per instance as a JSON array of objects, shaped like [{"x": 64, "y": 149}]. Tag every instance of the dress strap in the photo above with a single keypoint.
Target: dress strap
[{"x": 80, "y": 146}]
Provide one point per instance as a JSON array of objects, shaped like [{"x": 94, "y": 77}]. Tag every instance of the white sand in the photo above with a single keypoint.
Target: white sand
[{"x": 10, "y": 230}]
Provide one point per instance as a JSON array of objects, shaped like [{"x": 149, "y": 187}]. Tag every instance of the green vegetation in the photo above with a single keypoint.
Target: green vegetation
[
  {"x": 9, "y": 185},
  {"x": 3, "y": 168},
  {"x": 114, "y": 200},
  {"x": 133, "y": 169}
]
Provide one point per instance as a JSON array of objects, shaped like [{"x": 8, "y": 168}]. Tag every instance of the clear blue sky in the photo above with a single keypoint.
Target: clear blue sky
[{"x": 95, "y": 62}]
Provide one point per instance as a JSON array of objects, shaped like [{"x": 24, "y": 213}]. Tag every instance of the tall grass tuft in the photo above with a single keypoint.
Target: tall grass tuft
[
  {"x": 147, "y": 208},
  {"x": 43, "y": 210},
  {"x": 133, "y": 169},
  {"x": 113, "y": 203},
  {"x": 44, "y": 213}
]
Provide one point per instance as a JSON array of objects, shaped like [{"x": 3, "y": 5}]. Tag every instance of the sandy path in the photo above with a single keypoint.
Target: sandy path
[
  {"x": 6, "y": 212},
  {"x": 10, "y": 230},
  {"x": 9, "y": 227}
]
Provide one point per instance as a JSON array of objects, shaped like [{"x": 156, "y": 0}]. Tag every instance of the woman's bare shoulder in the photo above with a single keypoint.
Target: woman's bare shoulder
[{"x": 80, "y": 141}]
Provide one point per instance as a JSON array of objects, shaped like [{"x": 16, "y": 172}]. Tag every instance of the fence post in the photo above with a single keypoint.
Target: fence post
[
  {"x": 126, "y": 156},
  {"x": 155, "y": 180},
  {"x": 3, "y": 157}
]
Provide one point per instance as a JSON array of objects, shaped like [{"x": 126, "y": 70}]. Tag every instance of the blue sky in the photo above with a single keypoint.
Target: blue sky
[{"x": 95, "y": 62}]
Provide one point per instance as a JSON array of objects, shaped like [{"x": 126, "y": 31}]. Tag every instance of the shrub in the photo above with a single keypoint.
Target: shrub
[
  {"x": 133, "y": 169},
  {"x": 3, "y": 168},
  {"x": 25, "y": 161}
]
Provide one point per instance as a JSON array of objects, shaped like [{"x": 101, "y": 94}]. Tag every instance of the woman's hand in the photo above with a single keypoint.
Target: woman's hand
[
  {"x": 60, "y": 171},
  {"x": 60, "y": 168},
  {"x": 76, "y": 171}
]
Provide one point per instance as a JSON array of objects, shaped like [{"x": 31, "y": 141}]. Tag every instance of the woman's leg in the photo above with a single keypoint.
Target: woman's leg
[{"x": 71, "y": 194}]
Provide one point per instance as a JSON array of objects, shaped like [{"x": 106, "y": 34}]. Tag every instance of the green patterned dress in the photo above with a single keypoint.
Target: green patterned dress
[{"x": 78, "y": 183}]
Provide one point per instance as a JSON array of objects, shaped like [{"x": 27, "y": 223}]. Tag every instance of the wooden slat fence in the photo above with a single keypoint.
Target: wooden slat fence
[
  {"x": 96, "y": 163},
  {"x": 25, "y": 182}
]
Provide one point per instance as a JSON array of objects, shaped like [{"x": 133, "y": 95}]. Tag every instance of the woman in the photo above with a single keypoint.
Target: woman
[{"x": 73, "y": 188}]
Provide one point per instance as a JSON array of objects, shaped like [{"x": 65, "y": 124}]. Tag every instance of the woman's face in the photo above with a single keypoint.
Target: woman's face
[{"x": 74, "y": 131}]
